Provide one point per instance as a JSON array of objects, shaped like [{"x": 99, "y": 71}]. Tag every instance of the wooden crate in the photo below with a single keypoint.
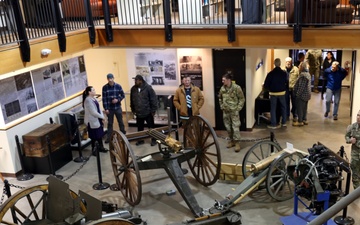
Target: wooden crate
[
  {"x": 231, "y": 172},
  {"x": 35, "y": 144}
]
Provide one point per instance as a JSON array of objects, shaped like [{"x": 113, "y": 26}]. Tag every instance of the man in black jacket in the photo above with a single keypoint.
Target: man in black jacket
[
  {"x": 143, "y": 104},
  {"x": 276, "y": 83}
]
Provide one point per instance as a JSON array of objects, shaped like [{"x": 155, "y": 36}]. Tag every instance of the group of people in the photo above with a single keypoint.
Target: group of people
[
  {"x": 293, "y": 84},
  {"x": 188, "y": 100}
]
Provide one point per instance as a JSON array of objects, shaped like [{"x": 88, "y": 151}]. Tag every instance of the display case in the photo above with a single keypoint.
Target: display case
[
  {"x": 165, "y": 114},
  {"x": 73, "y": 120}
]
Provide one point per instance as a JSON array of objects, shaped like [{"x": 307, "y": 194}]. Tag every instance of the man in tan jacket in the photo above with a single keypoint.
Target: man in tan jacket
[{"x": 188, "y": 100}]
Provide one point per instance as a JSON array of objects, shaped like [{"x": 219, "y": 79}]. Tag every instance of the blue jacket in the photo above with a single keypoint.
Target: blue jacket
[{"x": 334, "y": 79}]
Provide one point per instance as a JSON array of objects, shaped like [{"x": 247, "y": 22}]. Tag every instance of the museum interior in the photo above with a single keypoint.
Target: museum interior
[{"x": 52, "y": 50}]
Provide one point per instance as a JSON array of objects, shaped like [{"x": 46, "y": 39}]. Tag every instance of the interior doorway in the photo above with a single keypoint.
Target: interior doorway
[{"x": 228, "y": 60}]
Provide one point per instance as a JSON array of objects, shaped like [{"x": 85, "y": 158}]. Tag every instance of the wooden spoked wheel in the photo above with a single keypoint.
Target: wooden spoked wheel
[
  {"x": 200, "y": 136},
  {"x": 111, "y": 221},
  {"x": 259, "y": 151},
  {"x": 28, "y": 205},
  {"x": 125, "y": 168},
  {"x": 279, "y": 184}
]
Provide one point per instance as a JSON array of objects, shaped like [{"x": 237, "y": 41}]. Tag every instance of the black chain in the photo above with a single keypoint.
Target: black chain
[
  {"x": 4, "y": 191},
  {"x": 3, "y": 196},
  {"x": 20, "y": 187},
  {"x": 16, "y": 186},
  {"x": 247, "y": 140},
  {"x": 76, "y": 171}
]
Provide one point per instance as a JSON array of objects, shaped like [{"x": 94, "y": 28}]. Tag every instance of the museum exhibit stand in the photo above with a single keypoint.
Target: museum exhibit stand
[
  {"x": 73, "y": 120},
  {"x": 162, "y": 117},
  {"x": 44, "y": 149}
]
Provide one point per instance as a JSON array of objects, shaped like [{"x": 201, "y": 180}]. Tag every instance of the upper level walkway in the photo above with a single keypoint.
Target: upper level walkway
[{"x": 41, "y": 18}]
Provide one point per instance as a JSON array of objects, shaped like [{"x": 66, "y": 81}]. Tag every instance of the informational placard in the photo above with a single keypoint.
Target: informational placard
[
  {"x": 48, "y": 84},
  {"x": 17, "y": 97},
  {"x": 28, "y": 92},
  {"x": 74, "y": 75},
  {"x": 157, "y": 68},
  {"x": 192, "y": 67}
]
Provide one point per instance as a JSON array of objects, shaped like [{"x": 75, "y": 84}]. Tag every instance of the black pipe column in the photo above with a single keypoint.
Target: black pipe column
[
  {"x": 25, "y": 175},
  {"x": 100, "y": 185}
]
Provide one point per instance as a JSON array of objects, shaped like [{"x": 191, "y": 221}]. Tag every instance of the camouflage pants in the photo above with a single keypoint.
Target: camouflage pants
[
  {"x": 355, "y": 167},
  {"x": 232, "y": 124},
  {"x": 316, "y": 72}
]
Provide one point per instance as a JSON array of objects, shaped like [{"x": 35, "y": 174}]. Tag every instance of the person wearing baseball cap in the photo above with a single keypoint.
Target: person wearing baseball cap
[
  {"x": 112, "y": 95},
  {"x": 138, "y": 77}
]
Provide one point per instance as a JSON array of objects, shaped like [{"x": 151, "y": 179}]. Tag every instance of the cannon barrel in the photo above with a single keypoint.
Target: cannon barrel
[
  {"x": 165, "y": 140},
  {"x": 266, "y": 162}
]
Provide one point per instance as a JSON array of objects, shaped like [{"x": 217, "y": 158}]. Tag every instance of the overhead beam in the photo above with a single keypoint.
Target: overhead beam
[{"x": 250, "y": 37}]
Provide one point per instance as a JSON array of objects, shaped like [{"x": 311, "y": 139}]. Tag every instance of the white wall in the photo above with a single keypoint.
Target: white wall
[
  {"x": 281, "y": 54},
  {"x": 208, "y": 110},
  {"x": 346, "y": 56},
  {"x": 9, "y": 158},
  {"x": 254, "y": 81},
  {"x": 356, "y": 88}
]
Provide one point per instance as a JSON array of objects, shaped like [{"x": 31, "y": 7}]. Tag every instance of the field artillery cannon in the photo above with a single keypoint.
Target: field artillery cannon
[
  {"x": 55, "y": 203},
  {"x": 265, "y": 162},
  {"x": 200, "y": 149}
]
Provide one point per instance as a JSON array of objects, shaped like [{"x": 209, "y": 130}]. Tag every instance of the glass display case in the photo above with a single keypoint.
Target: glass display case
[{"x": 162, "y": 116}]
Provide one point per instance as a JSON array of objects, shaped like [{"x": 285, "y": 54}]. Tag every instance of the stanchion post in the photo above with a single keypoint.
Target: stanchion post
[
  {"x": 272, "y": 138},
  {"x": 52, "y": 170},
  {"x": 100, "y": 185},
  {"x": 25, "y": 175},
  {"x": 8, "y": 194},
  {"x": 344, "y": 219}
]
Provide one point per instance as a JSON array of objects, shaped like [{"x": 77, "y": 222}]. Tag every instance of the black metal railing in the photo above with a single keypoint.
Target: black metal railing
[{"x": 39, "y": 16}]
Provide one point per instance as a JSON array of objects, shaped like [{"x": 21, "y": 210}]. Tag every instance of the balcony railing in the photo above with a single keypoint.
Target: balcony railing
[{"x": 23, "y": 20}]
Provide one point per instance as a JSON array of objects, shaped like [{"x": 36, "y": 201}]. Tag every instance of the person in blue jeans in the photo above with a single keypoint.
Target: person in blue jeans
[
  {"x": 276, "y": 83},
  {"x": 112, "y": 95},
  {"x": 334, "y": 75}
]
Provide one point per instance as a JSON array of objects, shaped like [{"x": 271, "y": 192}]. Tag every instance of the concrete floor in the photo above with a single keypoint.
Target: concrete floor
[{"x": 257, "y": 208}]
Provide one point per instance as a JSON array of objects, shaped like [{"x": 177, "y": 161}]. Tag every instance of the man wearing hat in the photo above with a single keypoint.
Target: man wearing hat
[
  {"x": 112, "y": 95},
  {"x": 143, "y": 104}
]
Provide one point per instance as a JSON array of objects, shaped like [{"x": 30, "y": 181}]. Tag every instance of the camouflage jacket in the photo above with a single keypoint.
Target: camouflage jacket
[
  {"x": 353, "y": 130},
  {"x": 232, "y": 98}
]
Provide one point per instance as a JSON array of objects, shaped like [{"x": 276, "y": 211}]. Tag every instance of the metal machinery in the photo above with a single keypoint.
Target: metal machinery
[
  {"x": 55, "y": 203},
  {"x": 200, "y": 150},
  {"x": 318, "y": 181},
  {"x": 265, "y": 161}
]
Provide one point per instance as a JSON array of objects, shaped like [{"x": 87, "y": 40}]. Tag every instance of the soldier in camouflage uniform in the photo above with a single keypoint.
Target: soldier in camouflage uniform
[
  {"x": 352, "y": 137},
  {"x": 231, "y": 99},
  {"x": 314, "y": 58}
]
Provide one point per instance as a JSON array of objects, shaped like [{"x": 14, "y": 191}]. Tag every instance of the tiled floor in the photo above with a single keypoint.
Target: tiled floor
[{"x": 257, "y": 208}]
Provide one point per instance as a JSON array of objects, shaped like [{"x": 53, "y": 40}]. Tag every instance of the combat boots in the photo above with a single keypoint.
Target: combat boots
[
  {"x": 230, "y": 144},
  {"x": 237, "y": 146}
]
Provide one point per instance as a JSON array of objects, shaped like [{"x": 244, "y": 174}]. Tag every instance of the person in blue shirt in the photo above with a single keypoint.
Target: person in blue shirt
[
  {"x": 334, "y": 75},
  {"x": 112, "y": 95}
]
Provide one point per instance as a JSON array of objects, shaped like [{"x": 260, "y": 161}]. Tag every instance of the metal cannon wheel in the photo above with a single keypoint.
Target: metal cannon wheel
[
  {"x": 28, "y": 205},
  {"x": 259, "y": 151},
  {"x": 200, "y": 136},
  {"x": 111, "y": 221},
  {"x": 279, "y": 184},
  {"x": 125, "y": 168}
]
